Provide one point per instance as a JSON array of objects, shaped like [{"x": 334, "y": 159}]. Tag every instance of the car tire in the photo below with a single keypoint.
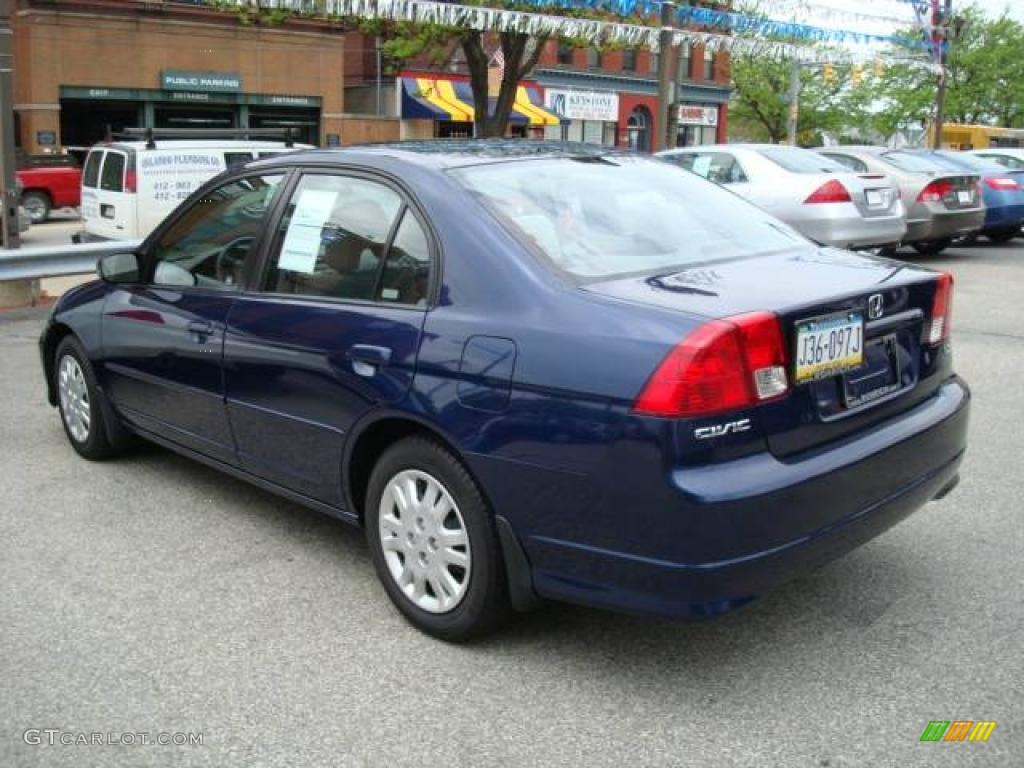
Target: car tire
[
  {"x": 433, "y": 542},
  {"x": 1004, "y": 235},
  {"x": 37, "y": 206},
  {"x": 83, "y": 413},
  {"x": 932, "y": 247}
]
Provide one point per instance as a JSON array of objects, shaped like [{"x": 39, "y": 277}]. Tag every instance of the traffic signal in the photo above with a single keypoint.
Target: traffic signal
[
  {"x": 829, "y": 72},
  {"x": 857, "y": 75}
]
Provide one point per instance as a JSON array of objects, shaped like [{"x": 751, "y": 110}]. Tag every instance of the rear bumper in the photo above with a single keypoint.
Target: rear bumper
[
  {"x": 761, "y": 521},
  {"x": 945, "y": 224},
  {"x": 851, "y": 230}
]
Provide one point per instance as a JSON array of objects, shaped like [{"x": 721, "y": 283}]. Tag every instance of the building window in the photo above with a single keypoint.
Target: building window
[
  {"x": 629, "y": 60},
  {"x": 565, "y": 53},
  {"x": 684, "y": 62},
  {"x": 594, "y": 58},
  {"x": 709, "y": 64}
]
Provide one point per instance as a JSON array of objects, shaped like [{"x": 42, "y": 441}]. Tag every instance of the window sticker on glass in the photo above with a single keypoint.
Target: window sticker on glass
[
  {"x": 302, "y": 240},
  {"x": 702, "y": 165}
]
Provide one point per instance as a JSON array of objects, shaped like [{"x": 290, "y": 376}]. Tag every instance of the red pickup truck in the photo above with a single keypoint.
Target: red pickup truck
[{"x": 49, "y": 187}]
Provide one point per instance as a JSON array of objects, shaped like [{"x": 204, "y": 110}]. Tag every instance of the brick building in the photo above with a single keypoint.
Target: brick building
[{"x": 83, "y": 65}]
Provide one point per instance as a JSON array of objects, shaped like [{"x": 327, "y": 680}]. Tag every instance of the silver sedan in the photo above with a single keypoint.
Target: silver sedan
[
  {"x": 941, "y": 204},
  {"x": 820, "y": 198}
]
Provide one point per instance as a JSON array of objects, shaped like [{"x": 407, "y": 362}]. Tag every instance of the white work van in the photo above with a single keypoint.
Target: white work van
[{"x": 128, "y": 187}]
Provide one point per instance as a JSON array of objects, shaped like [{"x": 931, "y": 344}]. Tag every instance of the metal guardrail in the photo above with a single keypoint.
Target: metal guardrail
[{"x": 57, "y": 260}]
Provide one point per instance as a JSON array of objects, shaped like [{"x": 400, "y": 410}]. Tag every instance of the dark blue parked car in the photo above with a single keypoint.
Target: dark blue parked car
[
  {"x": 1000, "y": 189},
  {"x": 527, "y": 370}
]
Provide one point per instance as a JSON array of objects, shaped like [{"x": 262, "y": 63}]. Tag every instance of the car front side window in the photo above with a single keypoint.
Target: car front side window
[{"x": 208, "y": 245}]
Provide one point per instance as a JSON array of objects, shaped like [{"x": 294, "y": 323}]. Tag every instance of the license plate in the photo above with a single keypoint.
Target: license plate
[
  {"x": 826, "y": 346},
  {"x": 876, "y": 199},
  {"x": 964, "y": 196}
]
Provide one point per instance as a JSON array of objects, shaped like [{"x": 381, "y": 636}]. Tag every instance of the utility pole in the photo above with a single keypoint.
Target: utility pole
[
  {"x": 666, "y": 79},
  {"x": 794, "y": 101},
  {"x": 940, "y": 36},
  {"x": 8, "y": 188}
]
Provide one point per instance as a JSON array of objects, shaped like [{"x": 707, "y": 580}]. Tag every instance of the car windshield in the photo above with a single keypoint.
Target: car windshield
[
  {"x": 598, "y": 217},
  {"x": 914, "y": 163},
  {"x": 802, "y": 160}
]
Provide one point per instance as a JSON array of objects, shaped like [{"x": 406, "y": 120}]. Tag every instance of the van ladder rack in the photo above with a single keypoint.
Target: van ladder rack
[{"x": 150, "y": 135}]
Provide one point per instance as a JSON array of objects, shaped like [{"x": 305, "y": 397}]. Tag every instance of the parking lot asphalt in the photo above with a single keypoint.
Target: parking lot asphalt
[{"x": 151, "y": 594}]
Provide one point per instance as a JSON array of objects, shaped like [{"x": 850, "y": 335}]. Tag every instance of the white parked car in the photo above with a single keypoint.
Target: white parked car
[
  {"x": 128, "y": 187},
  {"x": 818, "y": 197}
]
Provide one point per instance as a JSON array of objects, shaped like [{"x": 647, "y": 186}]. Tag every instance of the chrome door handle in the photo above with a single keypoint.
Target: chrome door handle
[
  {"x": 366, "y": 358},
  {"x": 199, "y": 330}
]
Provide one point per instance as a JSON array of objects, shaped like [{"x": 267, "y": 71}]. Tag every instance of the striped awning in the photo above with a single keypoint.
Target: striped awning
[{"x": 441, "y": 99}]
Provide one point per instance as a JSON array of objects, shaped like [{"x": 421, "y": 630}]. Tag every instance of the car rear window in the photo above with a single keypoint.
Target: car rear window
[
  {"x": 91, "y": 174},
  {"x": 908, "y": 161},
  {"x": 598, "y": 217},
  {"x": 971, "y": 162},
  {"x": 849, "y": 161},
  {"x": 801, "y": 160},
  {"x": 112, "y": 175}
]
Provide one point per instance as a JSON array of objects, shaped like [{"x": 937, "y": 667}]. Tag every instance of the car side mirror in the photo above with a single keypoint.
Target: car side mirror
[{"x": 119, "y": 268}]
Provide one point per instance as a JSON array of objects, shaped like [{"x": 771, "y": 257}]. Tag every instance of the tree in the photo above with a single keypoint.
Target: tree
[
  {"x": 520, "y": 51},
  {"x": 761, "y": 98},
  {"x": 405, "y": 41},
  {"x": 986, "y": 81}
]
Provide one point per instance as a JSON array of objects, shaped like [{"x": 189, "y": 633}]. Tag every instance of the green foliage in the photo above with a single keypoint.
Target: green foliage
[
  {"x": 760, "y": 106},
  {"x": 986, "y": 80}
]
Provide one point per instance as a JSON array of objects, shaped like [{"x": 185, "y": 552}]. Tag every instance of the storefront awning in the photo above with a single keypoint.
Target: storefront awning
[{"x": 439, "y": 99}]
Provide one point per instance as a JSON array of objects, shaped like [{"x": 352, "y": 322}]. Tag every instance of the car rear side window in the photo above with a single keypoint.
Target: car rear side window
[
  {"x": 209, "y": 243},
  {"x": 406, "y": 276},
  {"x": 797, "y": 160},
  {"x": 333, "y": 238},
  {"x": 596, "y": 217},
  {"x": 91, "y": 173},
  {"x": 112, "y": 175}
]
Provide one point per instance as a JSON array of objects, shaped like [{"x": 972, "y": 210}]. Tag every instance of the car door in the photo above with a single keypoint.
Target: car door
[
  {"x": 330, "y": 331},
  {"x": 114, "y": 200},
  {"x": 163, "y": 338}
]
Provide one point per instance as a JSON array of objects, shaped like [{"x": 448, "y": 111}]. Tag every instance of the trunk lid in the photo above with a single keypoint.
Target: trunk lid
[{"x": 814, "y": 285}]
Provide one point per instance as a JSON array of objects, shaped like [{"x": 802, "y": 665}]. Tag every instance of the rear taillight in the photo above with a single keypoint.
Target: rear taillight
[
  {"x": 935, "y": 191},
  {"x": 130, "y": 181},
  {"x": 724, "y": 365},
  {"x": 942, "y": 310},
  {"x": 831, "y": 191},
  {"x": 1002, "y": 183}
]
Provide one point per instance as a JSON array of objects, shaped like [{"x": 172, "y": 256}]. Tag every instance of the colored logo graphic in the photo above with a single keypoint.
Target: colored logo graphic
[{"x": 958, "y": 730}]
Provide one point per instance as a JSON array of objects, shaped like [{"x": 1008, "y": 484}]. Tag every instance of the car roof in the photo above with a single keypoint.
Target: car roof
[{"x": 444, "y": 153}]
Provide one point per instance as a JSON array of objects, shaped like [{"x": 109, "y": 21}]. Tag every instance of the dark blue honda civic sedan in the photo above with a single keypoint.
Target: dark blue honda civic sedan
[{"x": 527, "y": 370}]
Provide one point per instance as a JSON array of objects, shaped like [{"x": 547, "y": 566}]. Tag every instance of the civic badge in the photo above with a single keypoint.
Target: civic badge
[{"x": 875, "y": 305}]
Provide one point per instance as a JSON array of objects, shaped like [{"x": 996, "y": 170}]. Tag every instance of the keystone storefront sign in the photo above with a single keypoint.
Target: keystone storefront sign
[
  {"x": 583, "y": 105},
  {"x": 180, "y": 80}
]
